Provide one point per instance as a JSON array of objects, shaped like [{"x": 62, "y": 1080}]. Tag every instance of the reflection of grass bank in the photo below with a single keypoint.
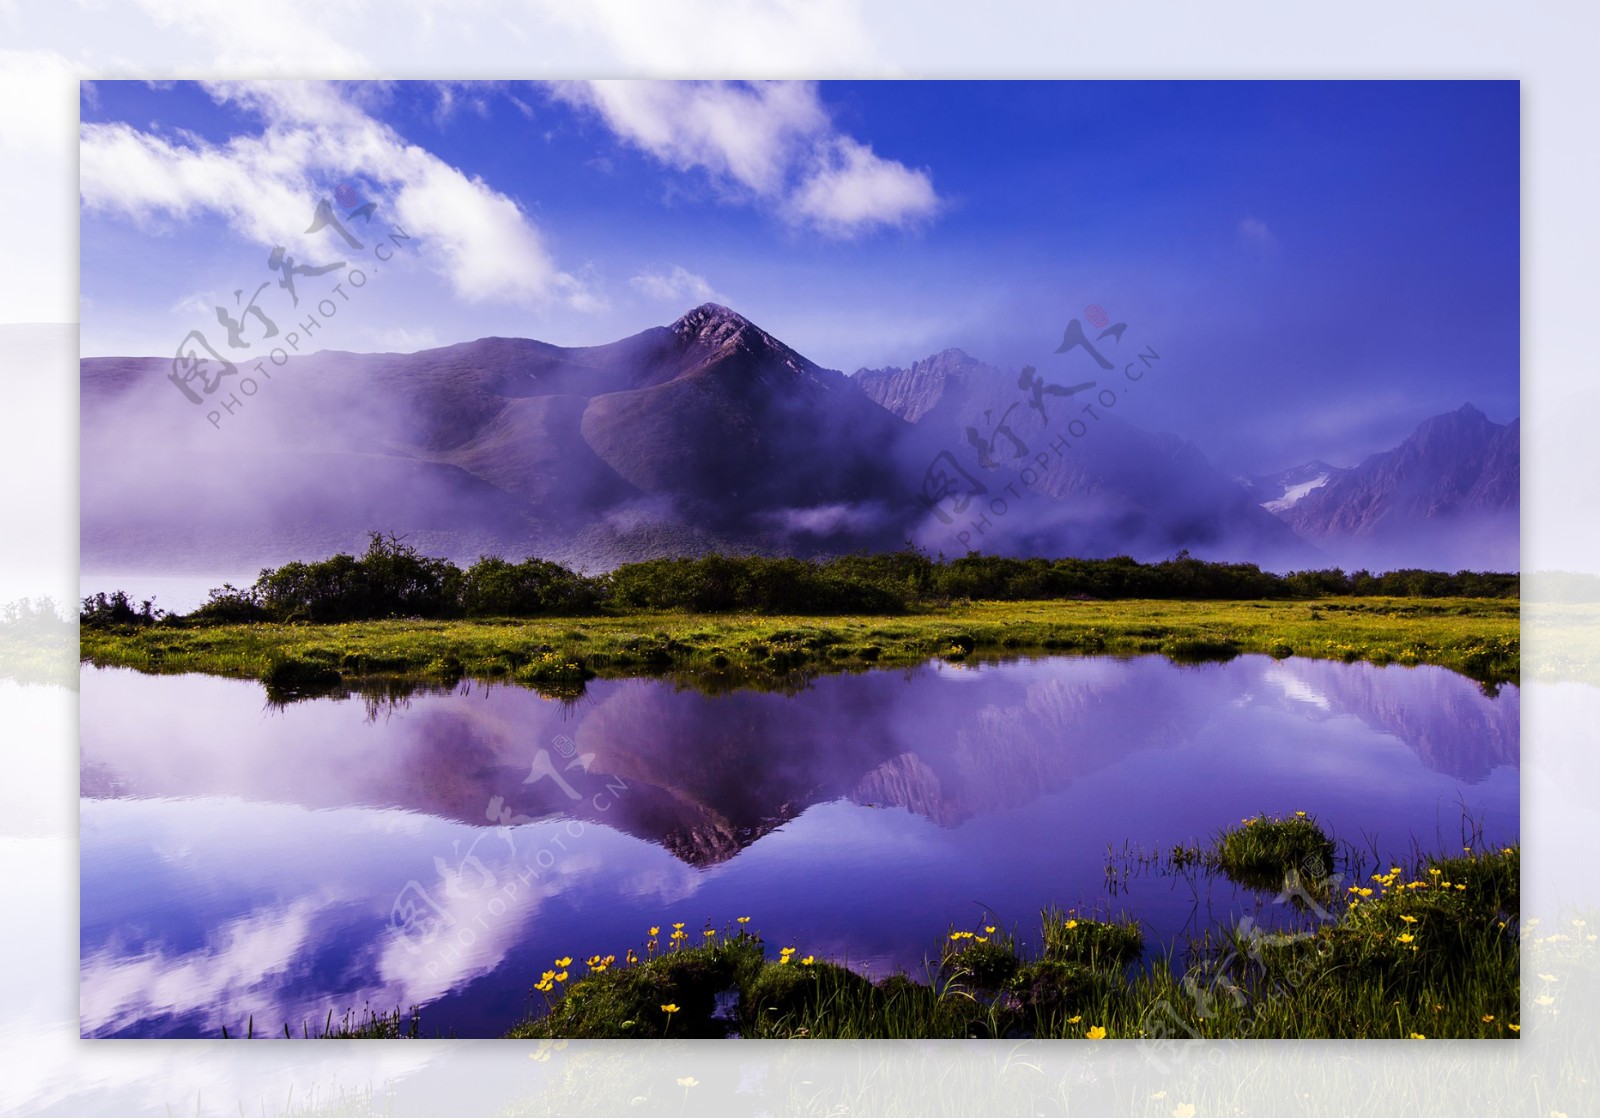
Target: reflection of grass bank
[
  {"x": 1430, "y": 953},
  {"x": 1477, "y": 637}
]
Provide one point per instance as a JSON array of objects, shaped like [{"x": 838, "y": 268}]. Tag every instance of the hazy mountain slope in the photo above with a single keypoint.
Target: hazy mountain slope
[
  {"x": 1115, "y": 490},
  {"x": 1448, "y": 495}
]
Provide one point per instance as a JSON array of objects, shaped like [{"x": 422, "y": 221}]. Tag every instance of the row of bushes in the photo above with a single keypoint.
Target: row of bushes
[{"x": 392, "y": 580}]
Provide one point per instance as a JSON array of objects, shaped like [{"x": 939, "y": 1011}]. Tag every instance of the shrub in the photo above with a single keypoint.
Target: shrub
[
  {"x": 1263, "y": 851},
  {"x": 1086, "y": 941},
  {"x": 117, "y": 609}
]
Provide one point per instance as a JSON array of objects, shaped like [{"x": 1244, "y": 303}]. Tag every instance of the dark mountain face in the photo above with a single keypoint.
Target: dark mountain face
[
  {"x": 733, "y": 423},
  {"x": 1447, "y": 496}
]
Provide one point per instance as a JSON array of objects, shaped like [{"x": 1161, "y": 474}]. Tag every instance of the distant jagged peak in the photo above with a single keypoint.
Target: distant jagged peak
[
  {"x": 1468, "y": 412},
  {"x": 947, "y": 361}
]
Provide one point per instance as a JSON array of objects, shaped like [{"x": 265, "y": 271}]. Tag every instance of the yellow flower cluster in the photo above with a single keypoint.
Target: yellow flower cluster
[{"x": 549, "y": 979}]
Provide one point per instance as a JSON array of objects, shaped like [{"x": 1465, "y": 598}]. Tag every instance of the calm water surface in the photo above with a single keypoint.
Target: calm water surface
[{"x": 244, "y": 859}]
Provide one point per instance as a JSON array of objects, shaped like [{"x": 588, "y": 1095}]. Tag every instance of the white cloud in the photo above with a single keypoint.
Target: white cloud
[
  {"x": 775, "y": 38},
  {"x": 767, "y": 141},
  {"x": 400, "y": 340},
  {"x": 287, "y": 38},
  {"x": 1254, "y": 231},
  {"x": 855, "y": 190},
  {"x": 677, "y": 286},
  {"x": 742, "y": 132},
  {"x": 266, "y": 186},
  {"x": 244, "y": 956},
  {"x": 195, "y": 303}
]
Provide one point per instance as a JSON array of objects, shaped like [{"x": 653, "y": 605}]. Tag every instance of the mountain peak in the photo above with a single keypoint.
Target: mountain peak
[
  {"x": 1466, "y": 421},
  {"x": 709, "y": 317}
]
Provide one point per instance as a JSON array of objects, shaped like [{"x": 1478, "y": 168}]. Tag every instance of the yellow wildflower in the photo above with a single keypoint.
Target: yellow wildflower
[
  {"x": 670, "y": 1007},
  {"x": 687, "y": 1082},
  {"x": 1095, "y": 1033}
]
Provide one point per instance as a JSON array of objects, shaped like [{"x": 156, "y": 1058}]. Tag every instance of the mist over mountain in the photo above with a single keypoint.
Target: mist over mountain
[
  {"x": 710, "y": 434},
  {"x": 1116, "y": 489}
]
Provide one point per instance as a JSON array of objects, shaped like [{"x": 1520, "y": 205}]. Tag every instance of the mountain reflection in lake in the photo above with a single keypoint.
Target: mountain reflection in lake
[{"x": 244, "y": 859}]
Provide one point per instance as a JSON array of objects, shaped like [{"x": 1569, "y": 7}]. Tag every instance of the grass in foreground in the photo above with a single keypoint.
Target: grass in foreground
[
  {"x": 1476, "y": 637},
  {"x": 1432, "y": 952}
]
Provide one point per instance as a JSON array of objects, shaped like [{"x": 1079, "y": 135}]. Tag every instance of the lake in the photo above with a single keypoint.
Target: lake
[{"x": 241, "y": 858}]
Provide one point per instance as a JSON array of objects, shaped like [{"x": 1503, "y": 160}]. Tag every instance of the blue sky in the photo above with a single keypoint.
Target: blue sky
[{"x": 1320, "y": 264}]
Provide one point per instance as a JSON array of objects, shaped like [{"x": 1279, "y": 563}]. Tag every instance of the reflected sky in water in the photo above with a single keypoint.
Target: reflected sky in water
[{"x": 240, "y": 858}]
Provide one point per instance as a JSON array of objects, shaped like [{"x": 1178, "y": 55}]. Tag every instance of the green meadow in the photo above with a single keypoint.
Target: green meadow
[{"x": 1476, "y": 637}]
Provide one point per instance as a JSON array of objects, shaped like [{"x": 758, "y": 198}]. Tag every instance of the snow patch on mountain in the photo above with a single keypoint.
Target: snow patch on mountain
[{"x": 1293, "y": 494}]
